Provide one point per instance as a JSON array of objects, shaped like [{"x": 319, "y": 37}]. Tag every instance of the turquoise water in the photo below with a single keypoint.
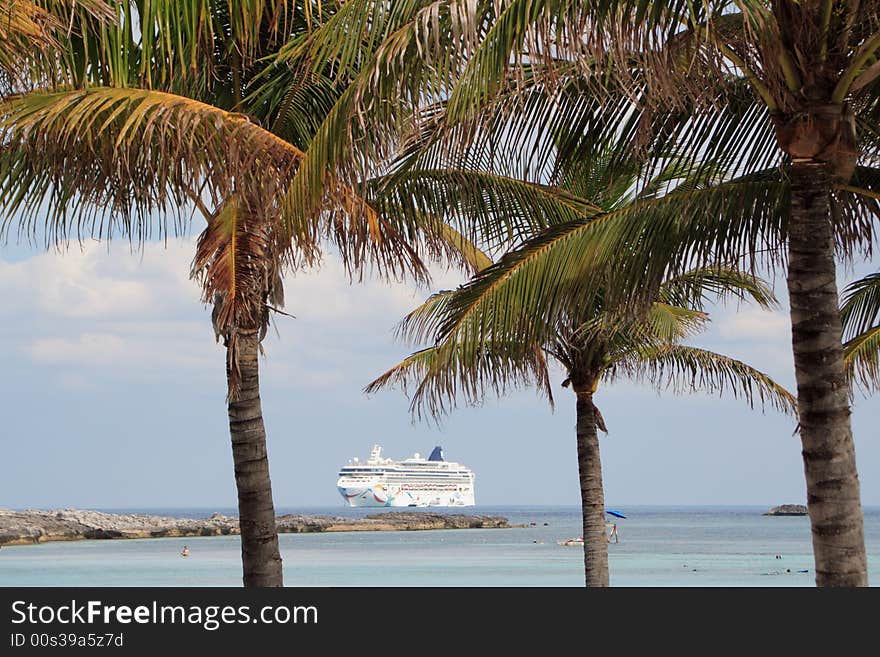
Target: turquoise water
[{"x": 659, "y": 546}]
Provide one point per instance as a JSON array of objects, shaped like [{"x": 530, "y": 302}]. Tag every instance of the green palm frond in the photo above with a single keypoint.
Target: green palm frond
[
  {"x": 420, "y": 324},
  {"x": 204, "y": 49},
  {"x": 105, "y": 159},
  {"x": 861, "y": 358},
  {"x": 860, "y": 309},
  {"x": 695, "y": 287},
  {"x": 438, "y": 377},
  {"x": 389, "y": 66},
  {"x": 467, "y": 252},
  {"x": 676, "y": 315},
  {"x": 528, "y": 132},
  {"x": 292, "y": 103},
  {"x": 689, "y": 369},
  {"x": 352, "y": 35},
  {"x": 609, "y": 331},
  {"x": 666, "y": 323},
  {"x": 489, "y": 209},
  {"x": 621, "y": 249}
]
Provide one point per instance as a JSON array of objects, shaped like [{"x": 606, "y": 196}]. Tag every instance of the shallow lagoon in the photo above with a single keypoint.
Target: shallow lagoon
[{"x": 659, "y": 546}]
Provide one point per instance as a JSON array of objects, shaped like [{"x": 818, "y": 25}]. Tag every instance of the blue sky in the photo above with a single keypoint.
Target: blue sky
[{"x": 113, "y": 395}]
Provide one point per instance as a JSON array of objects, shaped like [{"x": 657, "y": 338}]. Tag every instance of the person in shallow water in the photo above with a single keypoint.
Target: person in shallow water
[
  {"x": 613, "y": 534},
  {"x": 184, "y": 552}
]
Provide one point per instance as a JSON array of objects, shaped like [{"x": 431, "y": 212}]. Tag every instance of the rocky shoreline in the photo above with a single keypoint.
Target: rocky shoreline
[{"x": 37, "y": 526}]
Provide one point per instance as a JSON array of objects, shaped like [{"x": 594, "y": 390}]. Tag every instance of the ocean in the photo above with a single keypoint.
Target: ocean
[{"x": 659, "y": 546}]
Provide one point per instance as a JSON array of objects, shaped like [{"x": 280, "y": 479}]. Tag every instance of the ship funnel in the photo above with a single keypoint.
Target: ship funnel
[{"x": 437, "y": 454}]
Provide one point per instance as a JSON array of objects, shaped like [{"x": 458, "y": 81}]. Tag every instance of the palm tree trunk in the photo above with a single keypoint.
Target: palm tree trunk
[
  {"x": 592, "y": 494},
  {"x": 260, "y": 557},
  {"x": 829, "y": 457}
]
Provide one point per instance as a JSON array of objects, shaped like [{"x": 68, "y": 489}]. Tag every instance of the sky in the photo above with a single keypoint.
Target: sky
[{"x": 113, "y": 396}]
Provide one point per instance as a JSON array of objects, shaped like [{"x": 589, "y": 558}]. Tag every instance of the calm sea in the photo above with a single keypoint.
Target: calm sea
[{"x": 659, "y": 546}]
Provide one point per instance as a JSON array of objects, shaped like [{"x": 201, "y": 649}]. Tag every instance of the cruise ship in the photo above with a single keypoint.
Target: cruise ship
[{"x": 414, "y": 481}]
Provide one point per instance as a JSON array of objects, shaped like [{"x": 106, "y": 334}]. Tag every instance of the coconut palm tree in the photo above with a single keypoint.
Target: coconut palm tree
[
  {"x": 595, "y": 346},
  {"x": 789, "y": 84},
  {"x": 119, "y": 129},
  {"x": 142, "y": 120},
  {"x": 810, "y": 70},
  {"x": 596, "y": 341}
]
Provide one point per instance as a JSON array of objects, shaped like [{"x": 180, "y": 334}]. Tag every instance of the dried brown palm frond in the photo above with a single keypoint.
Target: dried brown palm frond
[
  {"x": 238, "y": 266},
  {"x": 31, "y": 36}
]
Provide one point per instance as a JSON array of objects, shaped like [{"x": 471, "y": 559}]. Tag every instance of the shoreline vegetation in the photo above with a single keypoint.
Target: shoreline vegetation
[{"x": 32, "y": 526}]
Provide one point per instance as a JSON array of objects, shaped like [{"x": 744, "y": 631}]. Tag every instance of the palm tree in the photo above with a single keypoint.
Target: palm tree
[
  {"x": 595, "y": 346},
  {"x": 789, "y": 84},
  {"x": 860, "y": 314},
  {"x": 143, "y": 118},
  {"x": 594, "y": 342},
  {"x": 808, "y": 70},
  {"x": 128, "y": 137}
]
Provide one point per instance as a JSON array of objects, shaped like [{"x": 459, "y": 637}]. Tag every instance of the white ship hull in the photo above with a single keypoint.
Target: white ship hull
[
  {"x": 381, "y": 496},
  {"x": 413, "y": 482}
]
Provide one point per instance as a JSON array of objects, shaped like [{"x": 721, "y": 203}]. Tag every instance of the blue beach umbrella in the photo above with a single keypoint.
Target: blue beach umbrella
[{"x": 616, "y": 514}]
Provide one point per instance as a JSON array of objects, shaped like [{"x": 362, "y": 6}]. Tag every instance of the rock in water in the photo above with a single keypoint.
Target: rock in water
[{"x": 787, "y": 510}]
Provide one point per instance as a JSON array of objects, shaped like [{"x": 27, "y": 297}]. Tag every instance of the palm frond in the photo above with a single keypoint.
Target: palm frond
[
  {"x": 206, "y": 49},
  {"x": 667, "y": 323},
  {"x": 860, "y": 309},
  {"x": 468, "y": 252},
  {"x": 109, "y": 159},
  {"x": 688, "y": 369},
  {"x": 106, "y": 160},
  {"x": 438, "y": 377},
  {"x": 25, "y": 29},
  {"x": 621, "y": 250},
  {"x": 629, "y": 249},
  {"x": 489, "y": 209},
  {"x": 695, "y": 287},
  {"x": 237, "y": 266},
  {"x": 420, "y": 324},
  {"x": 861, "y": 359},
  {"x": 389, "y": 67},
  {"x": 32, "y": 33}
]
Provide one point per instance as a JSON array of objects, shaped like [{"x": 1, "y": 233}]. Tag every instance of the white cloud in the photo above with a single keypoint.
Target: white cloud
[
  {"x": 93, "y": 283},
  {"x": 94, "y": 311},
  {"x": 327, "y": 294},
  {"x": 116, "y": 350},
  {"x": 752, "y": 323}
]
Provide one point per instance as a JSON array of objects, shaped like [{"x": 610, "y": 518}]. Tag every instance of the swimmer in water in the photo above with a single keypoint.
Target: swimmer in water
[{"x": 185, "y": 552}]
